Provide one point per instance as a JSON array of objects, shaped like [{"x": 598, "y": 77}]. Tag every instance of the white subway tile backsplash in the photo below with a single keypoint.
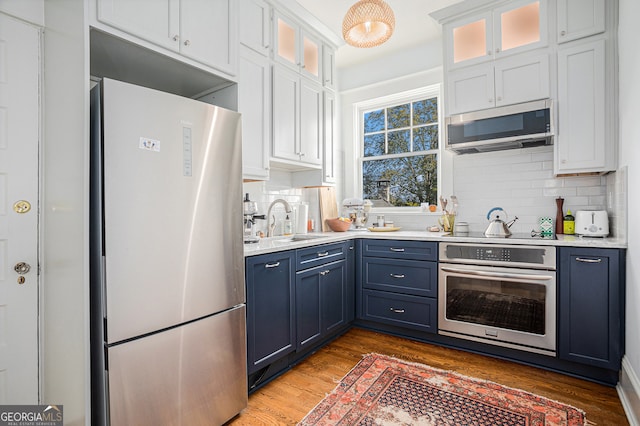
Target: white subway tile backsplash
[{"x": 523, "y": 184}]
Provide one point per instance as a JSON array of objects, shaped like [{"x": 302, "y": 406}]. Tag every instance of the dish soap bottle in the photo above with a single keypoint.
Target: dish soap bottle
[
  {"x": 288, "y": 226},
  {"x": 569, "y": 223}
]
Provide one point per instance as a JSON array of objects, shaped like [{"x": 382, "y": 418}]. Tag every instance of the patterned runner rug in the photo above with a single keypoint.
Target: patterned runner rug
[{"x": 382, "y": 390}]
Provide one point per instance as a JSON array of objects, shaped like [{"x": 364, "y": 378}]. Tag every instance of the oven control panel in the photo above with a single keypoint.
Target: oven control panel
[{"x": 499, "y": 254}]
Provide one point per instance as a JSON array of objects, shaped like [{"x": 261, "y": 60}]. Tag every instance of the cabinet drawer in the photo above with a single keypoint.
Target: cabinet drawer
[
  {"x": 415, "y": 250},
  {"x": 418, "y": 313},
  {"x": 319, "y": 255},
  {"x": 401, "y": 276}
]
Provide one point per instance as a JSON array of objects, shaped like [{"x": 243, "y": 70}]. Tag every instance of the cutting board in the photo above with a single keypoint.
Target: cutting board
[{"x": 328, "y": 206}]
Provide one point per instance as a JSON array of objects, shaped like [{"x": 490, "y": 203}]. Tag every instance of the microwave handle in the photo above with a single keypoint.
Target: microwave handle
[{"x": 498, "y": 274}]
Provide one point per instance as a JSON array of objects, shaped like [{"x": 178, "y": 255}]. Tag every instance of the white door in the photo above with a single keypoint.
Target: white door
[{"x": 19, "y": 132}]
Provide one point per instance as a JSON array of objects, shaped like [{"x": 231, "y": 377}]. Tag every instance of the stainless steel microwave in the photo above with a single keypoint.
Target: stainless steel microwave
[{"x": 508, "y": 127}]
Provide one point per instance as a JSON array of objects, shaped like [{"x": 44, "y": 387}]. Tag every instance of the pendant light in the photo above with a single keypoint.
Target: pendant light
[{"x": 368, "y": 23}]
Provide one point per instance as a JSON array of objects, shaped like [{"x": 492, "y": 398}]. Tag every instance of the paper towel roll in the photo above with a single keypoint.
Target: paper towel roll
[{"x": 302, "y": 215}]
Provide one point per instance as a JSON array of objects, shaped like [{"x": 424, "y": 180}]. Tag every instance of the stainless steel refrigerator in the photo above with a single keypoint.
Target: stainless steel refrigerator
[{"x": 168, "y": 342}]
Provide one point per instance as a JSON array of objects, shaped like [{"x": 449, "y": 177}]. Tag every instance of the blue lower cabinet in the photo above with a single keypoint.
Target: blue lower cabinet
[
  {"x": 414, "y": 312},
  {"x": 591, "y": 306},
  {"x": 270, "y": 281},
  {"x": 321, "y": 302}
]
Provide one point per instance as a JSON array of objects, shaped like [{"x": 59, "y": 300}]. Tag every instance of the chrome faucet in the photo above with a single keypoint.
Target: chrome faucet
[{"x": 271, "y": 226}]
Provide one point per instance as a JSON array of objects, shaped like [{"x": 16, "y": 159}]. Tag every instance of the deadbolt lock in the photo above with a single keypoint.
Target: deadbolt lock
[
  {"x": 22, "y": 268},
  {"x": 21, "y": 206}
]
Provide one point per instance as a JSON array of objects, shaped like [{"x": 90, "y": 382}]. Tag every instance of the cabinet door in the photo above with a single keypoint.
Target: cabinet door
[
  {"x": 157, "y": 21},
  {"x": 334, "y": 292},
  {"x": 580, "y": 18},
  {"x": 286, "y": 39},
  {"x": 470, "y": 89},
  {"x": 581, "y": 145},
  {"x": 329, "y": 67},
  {"x": 286, "y": 86},
  {"x": 521, "y": 79},
  {"x": 320, "y": 302},
  {"x": 518, "y": 26},
  {"x": 207, "y": 32},
  {"x": 591, "y": 307},
  {"x": 311, "y": 64},
  {"x": 308, "y": 308},
  {"x": 254, "y": 25},
  {"x": 254, "y": 102},
  {"x": 330, "y": 131},
  {"x": 310, "y": 122},
  {"x": 270, "y": 281},
  {"x": 469, "y": 41}
]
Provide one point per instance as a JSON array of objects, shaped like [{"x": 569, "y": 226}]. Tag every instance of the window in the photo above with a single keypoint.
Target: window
[{"x": 399, "y": 140}]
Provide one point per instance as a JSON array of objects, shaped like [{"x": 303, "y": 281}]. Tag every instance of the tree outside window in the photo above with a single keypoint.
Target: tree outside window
[{"x": 400, "y": 154}]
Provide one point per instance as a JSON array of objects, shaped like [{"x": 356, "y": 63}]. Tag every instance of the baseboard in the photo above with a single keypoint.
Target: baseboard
[{"x": 629, "y": 392}]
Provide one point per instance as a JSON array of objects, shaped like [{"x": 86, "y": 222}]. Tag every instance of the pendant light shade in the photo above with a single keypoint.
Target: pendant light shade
[{"x": 368, "y": 23}]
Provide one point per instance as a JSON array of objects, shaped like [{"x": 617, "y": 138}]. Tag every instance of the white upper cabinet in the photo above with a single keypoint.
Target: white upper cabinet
[
  {"x": 254, "y": 102},
  {"x": 515, "y": 27},
  {"x": 255, "y": 25},
  {"x": 583, "y": 142},
  {"x": 204, "y": 31},
  {"x": 296, "y": 47},
  {"x": 207, "y": 30},
  {"x": 580, "y": 18},
  {"x": 297, "y": 120},
  {"x": 509, "y": 81},
  {"x": 157, "y": 21},
  {"x": 329, "y": 67}
]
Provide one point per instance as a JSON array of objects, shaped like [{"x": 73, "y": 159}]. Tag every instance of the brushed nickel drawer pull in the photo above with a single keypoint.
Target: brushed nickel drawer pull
[
  {"x": 323, "y": 254},
  {"x": 397, "y": 275},
  {"x": 397, "y": 311},
  {"x": 583, "y": 260},
  {"x": 399, "y": 250},
  {"x": 328, "y": 271},
  {"x": 272, "y": 265}
]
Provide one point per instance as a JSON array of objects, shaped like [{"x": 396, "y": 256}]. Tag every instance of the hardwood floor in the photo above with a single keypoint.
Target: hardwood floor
[{"x": 287, "y": 399}]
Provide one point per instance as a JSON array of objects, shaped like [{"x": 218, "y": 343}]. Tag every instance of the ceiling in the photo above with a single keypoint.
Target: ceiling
[{"x": 414, "y": 26}]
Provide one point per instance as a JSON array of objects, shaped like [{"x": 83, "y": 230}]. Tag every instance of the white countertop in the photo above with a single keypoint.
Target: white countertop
[{"x": 275, "y": 244}]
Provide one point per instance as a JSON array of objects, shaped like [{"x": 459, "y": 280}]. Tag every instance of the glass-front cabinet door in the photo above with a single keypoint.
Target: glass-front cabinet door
[
  {"x": 297, "y": 48},
  {"x": 517, "y": 26}
]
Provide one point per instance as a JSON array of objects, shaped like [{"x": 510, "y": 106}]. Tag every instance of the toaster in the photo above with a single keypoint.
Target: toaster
[{"x": 592, "y": 223}]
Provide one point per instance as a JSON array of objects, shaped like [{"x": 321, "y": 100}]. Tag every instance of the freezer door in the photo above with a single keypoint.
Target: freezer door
[
  {"x": 194, "y": 374},
  {"x": 172, "y": 178}
]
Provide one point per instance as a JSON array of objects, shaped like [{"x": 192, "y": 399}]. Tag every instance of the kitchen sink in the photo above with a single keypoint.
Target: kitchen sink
[{"x": 298, "y": 237}]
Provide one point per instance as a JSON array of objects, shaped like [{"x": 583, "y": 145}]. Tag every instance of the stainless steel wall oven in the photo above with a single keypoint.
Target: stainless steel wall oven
[{"x": 502, "y": 294}]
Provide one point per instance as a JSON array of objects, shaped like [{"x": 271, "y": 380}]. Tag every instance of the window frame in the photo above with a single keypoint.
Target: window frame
[{"x": 383, "y": 102}]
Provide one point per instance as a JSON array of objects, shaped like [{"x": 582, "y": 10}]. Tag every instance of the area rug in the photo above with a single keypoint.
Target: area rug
[{"x": 381, "y": 390}]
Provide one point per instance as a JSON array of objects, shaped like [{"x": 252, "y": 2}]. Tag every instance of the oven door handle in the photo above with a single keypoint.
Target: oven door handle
[{"x": 498, "y": 274}]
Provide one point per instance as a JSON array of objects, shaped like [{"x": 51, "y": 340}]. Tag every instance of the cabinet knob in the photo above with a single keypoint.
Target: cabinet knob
[
  {"x": 187, "y": 42},
  {"x": 563, "y": 33},
  {"x": 176, "y": 37},
  {"x": 498, "y": 50},
  {"x": 490, "y": 100},
  {"x": 499, "y": 98},
  {"x": 488, "y": 53}
]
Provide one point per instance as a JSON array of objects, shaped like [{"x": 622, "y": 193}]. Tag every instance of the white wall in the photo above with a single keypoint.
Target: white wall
[{"x": 629, "y": 107}]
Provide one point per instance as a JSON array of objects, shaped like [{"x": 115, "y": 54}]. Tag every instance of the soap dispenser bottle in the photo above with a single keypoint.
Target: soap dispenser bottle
[{"x": 288, "y": 226}]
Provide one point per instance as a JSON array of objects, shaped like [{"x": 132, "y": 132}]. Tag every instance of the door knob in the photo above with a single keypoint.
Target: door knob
[{"x": 22, "y": 268}]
